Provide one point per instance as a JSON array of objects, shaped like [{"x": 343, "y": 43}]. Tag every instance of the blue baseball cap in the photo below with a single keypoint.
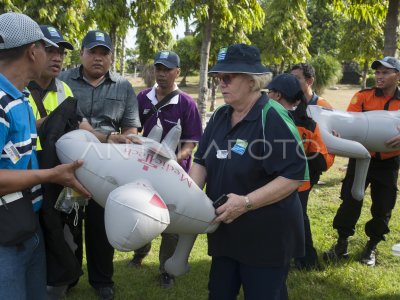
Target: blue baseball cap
[
  {"x": 167, "y": 58},
  {"x": 54, "y": 35},
  {"x": 96, "y": 38}
]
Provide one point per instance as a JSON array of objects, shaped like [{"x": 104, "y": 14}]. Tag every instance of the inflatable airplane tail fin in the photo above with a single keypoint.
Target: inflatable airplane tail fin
[
  {"x": 171, "y": 140},
  {"x": 156, "y": 132}
]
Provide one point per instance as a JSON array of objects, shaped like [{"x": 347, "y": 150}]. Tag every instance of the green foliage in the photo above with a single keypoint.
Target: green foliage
[
  {"x": 369, "y": 11},
  {"x": 153, "y": 22},
  {"x": 370, "y": 81},
  {"x": 325, "y": 24},
  {"x": 70, "y": 16},
  {"x": 360, "y": 40},
  {"x": 328, "y": 71},
  {"x": 285, "y": 37},
  {"x": 189, "y": 59}
]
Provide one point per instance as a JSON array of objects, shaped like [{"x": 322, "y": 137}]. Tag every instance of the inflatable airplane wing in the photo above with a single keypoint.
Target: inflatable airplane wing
[
  {"x": 358, "y": 132},
  {"x": 143, "y": 189}
]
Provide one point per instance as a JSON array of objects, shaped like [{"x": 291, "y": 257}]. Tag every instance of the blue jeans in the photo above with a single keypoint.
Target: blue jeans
[{"x": 23, "y": 269}]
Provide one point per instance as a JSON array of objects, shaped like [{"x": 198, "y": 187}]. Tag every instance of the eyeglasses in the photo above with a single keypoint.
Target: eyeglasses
[{"x": 226, "y": 78}]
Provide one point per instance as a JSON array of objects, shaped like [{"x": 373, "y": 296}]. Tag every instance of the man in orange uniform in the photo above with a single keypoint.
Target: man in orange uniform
[
  {"x": 305, "y": 73},
  {"x": 382, "y": 173}
]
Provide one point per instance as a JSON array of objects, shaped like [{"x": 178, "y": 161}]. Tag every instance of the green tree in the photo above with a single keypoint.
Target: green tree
[
  {"x": 285, "y": 36},
  {"x": 228, "y": 15},
  {"x": 372, "y": 11},
  {"x": 324, "y": 26},
  {"x": 189, "y": 58},
  {"x": 113, "y": 17},
  {"x": 154, "y": 24},
  {"x": 361, "y": 42},
  {"x": 70, "y": 16}
]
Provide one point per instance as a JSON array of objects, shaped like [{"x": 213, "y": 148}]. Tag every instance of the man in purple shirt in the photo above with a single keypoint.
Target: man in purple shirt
[{"x": 180, "y": 106}]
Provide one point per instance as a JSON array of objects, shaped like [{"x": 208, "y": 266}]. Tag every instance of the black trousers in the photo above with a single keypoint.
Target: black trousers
[
  {"x": 382, "y": 177},
  {"x": 227, "y": 275},
  {"x": 99, "y": 252},
  {"x": 310, "y": 258}
]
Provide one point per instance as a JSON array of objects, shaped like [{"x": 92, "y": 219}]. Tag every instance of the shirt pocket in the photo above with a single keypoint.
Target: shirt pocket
[{"x": 114, "y": 107}]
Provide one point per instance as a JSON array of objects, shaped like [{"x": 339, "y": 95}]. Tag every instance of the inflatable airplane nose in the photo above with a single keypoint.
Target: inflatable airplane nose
[{"x": 134, "y": 215}]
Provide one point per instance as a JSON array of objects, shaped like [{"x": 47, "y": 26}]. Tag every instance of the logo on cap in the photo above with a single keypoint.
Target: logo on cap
[
  {"x": 164, "y": 54},
  {"x": 53, "y": 32},
  {"x": 100, "y": 36},
  {"x": 222, "y": 53}
]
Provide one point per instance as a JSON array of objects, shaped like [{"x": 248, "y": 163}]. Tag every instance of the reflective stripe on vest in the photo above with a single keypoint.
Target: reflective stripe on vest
[{"x": 60, "y": 91}]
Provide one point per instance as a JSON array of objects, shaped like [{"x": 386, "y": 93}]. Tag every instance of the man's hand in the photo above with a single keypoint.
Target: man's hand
[
  {"x": 64, "y": 174},
  {"x": 394, "y": 142},
  {"x": 124, "y": 139}
]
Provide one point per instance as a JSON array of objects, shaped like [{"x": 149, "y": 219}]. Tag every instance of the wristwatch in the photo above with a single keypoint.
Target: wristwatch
[{"x": 247, "y": 205}]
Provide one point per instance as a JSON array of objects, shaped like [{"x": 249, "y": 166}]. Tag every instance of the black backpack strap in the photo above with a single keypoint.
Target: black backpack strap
[{"x": 160, "y": 104}]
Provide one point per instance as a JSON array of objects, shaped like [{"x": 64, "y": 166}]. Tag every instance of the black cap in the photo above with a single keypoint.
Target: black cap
[
  {"x": 96, "y": 38},
  {"x": 288, "y": 85},
  {"x": 388, "y": 62},
  {"x": 239, "y": 58},
  {"x": 167, "y": 58},
  {"x": 54, "y": 35}
]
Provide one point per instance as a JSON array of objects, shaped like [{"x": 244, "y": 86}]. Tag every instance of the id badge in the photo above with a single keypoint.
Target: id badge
[{"x": 12, "y": 152}]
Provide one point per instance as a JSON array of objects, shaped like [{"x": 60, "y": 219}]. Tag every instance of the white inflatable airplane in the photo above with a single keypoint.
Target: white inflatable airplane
[
  {"x": 358, "y": 132},
  {"x": 143, "y": 189}
]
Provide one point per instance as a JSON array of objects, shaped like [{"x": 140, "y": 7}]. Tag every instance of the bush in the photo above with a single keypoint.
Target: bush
[
  {"x": 370, "y": 81},
  {"x": 328, "y": 71}
]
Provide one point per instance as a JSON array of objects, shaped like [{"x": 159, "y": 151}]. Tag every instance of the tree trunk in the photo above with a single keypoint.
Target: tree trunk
[
  {"x": 122, "y": 58},
  {"x": 183, "y": 81},
  {"x": 392, "y": 22},
  {"x": 204, "y": 57},
  {"x": 113, "y": 36},
  {"x": 148, "y": 75},
  {"x": 364, "y": 75},
  {"x": 213, "y": 94}
]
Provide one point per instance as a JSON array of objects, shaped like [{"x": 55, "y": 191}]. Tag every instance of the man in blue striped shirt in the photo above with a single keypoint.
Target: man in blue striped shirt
[{"x": 22, "y": 59}]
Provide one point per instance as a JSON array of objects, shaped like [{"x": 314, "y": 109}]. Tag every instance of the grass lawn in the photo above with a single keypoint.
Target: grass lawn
[{"x": 345, "y": 280}]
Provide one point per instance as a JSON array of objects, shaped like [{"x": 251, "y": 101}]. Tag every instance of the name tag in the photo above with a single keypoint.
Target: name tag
[
  {"x": 222, "y": 154},
  {"x": 12, "y": 152},
  {"x": 146, "y": 111}
]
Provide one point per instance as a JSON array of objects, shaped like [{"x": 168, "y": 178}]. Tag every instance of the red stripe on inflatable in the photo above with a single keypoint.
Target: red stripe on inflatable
[{"x": 156, "y": 201}]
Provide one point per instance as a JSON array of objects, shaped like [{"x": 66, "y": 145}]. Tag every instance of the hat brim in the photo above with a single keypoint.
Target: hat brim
[
  {"x": 96, "y": 44},
  {"x": 65, "y": 44},
  {"x": 49, "y": 43},
  {"x": 378, "y": 63},
  {"x": 223, "y": 67},
  {"x": 168, "y": 64}
]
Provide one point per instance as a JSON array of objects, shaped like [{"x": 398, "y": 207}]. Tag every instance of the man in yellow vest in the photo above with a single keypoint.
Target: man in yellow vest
[{"x": 47, "y": 92}]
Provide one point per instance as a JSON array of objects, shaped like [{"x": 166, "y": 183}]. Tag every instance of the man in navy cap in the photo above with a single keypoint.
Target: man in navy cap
[
  {"x": 109, "y": 103},
  {"x": 382, "y": 172},
  {"x": 165, "y": 102}
]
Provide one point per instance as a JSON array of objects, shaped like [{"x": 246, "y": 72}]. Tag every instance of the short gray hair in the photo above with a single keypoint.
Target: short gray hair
[{"x": 260, "y": 81}]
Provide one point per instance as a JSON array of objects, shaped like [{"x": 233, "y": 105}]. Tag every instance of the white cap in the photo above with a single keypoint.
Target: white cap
[{"x": 18, "y": 29}]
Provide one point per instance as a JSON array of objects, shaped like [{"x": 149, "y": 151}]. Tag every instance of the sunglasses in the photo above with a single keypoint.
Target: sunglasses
[{"x": 226, "y": 78}]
